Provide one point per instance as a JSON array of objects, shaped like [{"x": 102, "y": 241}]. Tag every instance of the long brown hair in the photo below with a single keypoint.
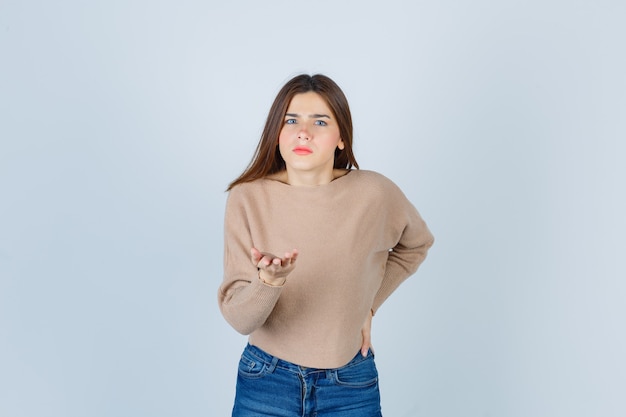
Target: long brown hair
[{"x": 267, "y": 159}]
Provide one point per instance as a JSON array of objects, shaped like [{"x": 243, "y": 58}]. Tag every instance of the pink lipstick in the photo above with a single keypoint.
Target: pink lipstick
[{"x": 302, "y": 150}]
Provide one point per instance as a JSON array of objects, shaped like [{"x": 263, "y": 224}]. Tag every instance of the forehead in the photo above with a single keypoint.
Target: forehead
[{"x": 309, "y": 102}]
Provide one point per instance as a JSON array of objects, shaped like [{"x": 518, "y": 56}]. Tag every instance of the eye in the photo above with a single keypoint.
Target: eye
[
  {"x": 320, "y": 123},
  {"x": 290, "y": 121}
]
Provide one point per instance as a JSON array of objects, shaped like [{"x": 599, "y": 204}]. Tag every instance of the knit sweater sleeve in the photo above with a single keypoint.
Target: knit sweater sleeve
[
  {"x": 244, "y": 300},
  {"x": 413, "y": 240}
]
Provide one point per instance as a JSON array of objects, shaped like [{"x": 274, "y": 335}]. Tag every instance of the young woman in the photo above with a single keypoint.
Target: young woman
[{"x": 313, "y": 247}]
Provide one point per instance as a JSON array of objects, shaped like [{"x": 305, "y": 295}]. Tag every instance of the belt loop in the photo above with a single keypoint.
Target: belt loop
[
  {"x": 329, "y": 374},
  {"x": 273, "y": 364}
]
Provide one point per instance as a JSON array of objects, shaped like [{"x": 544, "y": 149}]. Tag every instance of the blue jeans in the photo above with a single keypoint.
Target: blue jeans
[{"x": 268, "y": 386}]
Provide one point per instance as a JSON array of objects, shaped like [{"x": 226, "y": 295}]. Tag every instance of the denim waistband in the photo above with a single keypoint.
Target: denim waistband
[{"x": 275, "y": 362}]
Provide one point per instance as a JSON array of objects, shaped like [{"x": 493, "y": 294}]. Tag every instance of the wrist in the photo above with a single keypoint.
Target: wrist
[{"x": 271, "y": 281}]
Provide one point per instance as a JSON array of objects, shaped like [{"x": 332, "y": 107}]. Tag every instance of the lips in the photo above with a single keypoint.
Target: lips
[{"x": 302, "y": 150}]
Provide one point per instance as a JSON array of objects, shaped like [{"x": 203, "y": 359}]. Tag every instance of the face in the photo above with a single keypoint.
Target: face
[{"x": 308, "y": 139}]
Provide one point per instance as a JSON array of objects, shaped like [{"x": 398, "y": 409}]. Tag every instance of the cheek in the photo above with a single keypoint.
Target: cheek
[
  {"x": 283, "y": 136},
  {"x": 334, "y": 141}
]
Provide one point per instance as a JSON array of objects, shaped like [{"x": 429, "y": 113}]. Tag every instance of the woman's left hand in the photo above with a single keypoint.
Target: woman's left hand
[{"x": 366, "y": 331}]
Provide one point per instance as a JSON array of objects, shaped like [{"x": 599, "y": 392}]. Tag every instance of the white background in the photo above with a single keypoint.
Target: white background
[{"x": 122, "y": 122}]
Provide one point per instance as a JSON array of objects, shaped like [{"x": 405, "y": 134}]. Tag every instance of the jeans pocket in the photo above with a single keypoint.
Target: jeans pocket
[
  {"x": 250, "y": 367},
  {"x": 358, "y": 375}
]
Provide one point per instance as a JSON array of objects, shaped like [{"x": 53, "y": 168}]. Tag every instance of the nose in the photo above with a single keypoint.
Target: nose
[{"x": 303, "y": 134}]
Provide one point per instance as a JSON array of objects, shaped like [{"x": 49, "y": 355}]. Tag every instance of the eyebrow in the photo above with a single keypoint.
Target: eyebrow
[{"x": 312, "y": 116}]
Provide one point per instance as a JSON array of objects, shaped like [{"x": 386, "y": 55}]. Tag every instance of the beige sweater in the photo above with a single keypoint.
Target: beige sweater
[{"x": 358, "y": 238}]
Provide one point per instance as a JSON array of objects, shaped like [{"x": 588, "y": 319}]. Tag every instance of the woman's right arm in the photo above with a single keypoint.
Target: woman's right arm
[{"x": 245, "y": 299}]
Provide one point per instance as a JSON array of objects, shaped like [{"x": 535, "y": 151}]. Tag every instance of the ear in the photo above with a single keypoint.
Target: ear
[{"x": 341, "y": 145}]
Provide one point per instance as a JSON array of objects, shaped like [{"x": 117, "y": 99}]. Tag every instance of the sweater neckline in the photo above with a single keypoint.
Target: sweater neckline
[{"x": 310, "y": 187}]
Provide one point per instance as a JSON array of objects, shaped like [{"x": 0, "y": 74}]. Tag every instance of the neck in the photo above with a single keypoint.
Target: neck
[{"x": 310, "y": 179}]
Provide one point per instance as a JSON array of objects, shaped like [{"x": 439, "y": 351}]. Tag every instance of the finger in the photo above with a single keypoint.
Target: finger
[
  {"x": 267, "y": 260},
  {"x": 289, "y": 258},
  {"x": 366, "y": 331},
  {"x": 367, "y": 340},
  {"x": 263, "y": 261},
  {"x": 256, "y": 255},
  {"x": 366, "y": 344}
]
